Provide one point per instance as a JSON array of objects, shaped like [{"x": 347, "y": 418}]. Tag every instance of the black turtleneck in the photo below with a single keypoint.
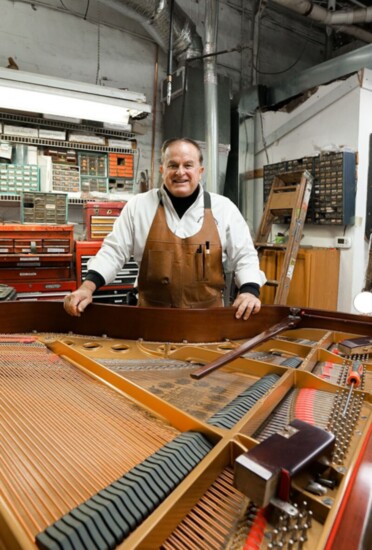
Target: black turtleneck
[{"x": 181, "y": 204}]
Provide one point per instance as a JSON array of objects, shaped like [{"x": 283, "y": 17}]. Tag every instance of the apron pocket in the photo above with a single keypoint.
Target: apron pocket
[{"x": 159, "y": 269}]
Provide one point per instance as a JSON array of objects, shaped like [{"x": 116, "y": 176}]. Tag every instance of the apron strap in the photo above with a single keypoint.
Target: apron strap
[{"x": 207, "y": 200}]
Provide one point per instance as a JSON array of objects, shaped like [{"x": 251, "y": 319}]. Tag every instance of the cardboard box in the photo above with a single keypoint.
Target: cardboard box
[
  {"x": 52, "y": 134},
  {"x": 120, "y": 144},
  {"x": 86, "y": 138},
  {"x": 20, "y": 131},
  {"x": 5, "y": 150}
]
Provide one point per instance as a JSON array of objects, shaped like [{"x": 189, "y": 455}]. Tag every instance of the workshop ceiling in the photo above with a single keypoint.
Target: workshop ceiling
[{"x": 301, "y": 12}]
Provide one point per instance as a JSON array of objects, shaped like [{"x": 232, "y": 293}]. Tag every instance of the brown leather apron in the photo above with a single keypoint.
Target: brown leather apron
[{"x": 182, "y": 273}]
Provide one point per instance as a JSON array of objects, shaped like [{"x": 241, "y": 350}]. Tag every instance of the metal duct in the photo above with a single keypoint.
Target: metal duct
[
  {"x": 154, "y": 16},
  {"x": 210, "y": 94},
  {"x": 345, "y": 18},
  {"x": 297, "y": 84},
  {"x": 322, "y": 15},
  {"x": 323, "y": 73}
]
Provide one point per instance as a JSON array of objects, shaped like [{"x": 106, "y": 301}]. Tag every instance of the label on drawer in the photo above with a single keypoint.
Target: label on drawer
[{"x": 55, "y": 250}]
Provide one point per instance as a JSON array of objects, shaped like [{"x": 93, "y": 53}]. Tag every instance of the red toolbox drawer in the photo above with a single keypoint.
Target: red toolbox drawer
[
  {"x": 28, "y": 273},
  {"x": 85, "y": 250},
  {"x": 34, "y": 236},
  {"x": 45, "y": 286}
]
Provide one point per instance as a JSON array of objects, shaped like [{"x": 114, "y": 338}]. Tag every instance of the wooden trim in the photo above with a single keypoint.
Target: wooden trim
[{"x": 253, "y": 174}]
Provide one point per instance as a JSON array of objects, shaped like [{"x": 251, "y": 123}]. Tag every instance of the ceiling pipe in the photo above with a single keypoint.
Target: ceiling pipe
[
  {"x": 211, "y": 94},
  {"x": 170, "y": 54},
  {"x": 154, "y": 16},
  {"x": 332, "y": 18},
  {"x": 322, "y": 15},
  {"x": 356, "y": 32},
  {"x": 158, "y": 18}
]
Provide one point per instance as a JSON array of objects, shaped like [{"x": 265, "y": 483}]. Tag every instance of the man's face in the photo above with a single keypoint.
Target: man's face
[{"x": 181, "y": 168}]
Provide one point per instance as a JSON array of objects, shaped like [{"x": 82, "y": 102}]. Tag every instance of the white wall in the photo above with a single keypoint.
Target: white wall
[
  {"x": 336, "y": 117},
  {"x": 44, "y": 37},
  {"x": 60, "y": 44}
]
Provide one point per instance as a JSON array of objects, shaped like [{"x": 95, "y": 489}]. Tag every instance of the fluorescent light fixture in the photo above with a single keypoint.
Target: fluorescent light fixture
[{"x": 35, "y": 93}]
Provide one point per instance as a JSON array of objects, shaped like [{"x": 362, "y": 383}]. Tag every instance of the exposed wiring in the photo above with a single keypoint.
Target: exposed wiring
[
  {"x": 255, "y": 58},
  {"x": 256, "y": 38},
  {"x": 283, "y": 70},
  {"x": 239, "y": 48},
  {"x": 73, "y": 11},
  {"x": 110, "y": 25},
  {"x": 86, "y": 10},
  {"x": 66, "y": 8}
]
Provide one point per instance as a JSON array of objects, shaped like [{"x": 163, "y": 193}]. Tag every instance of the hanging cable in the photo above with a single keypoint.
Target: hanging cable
[
  {"x": 65, "y": 7},
  {"x": 170, "y": 54},
  {"x": 73, "y": 11},
  {"x": 86, "y": 10}
]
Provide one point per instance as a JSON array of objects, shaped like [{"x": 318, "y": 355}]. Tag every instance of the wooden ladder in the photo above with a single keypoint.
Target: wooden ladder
[{"x": 289, "y": 197}]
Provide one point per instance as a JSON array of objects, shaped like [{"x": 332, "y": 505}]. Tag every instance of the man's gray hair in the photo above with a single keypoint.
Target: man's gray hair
[{"x": 169, "y": 142}]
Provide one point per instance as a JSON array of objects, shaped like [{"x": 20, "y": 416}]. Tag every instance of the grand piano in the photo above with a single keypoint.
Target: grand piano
[{"x": 144, "y": 428}]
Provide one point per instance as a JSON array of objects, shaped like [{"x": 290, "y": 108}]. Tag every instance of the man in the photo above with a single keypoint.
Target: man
[{"x": 181, "y": 237}]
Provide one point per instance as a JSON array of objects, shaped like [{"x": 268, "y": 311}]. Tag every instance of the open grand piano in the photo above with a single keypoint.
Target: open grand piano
[{"x": 109, "y": 440}]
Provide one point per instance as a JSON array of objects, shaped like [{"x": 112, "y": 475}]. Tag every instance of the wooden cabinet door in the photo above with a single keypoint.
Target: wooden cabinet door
[{"x": 315, "y": 278}]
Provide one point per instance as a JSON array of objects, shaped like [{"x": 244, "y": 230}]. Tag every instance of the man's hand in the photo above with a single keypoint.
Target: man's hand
[
  {"x": 76, "y": 302},
  {"x": 246, "y": 304}
]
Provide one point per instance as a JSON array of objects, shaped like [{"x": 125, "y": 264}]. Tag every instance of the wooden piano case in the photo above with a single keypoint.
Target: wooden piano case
[{"x": 109, "y": 442}]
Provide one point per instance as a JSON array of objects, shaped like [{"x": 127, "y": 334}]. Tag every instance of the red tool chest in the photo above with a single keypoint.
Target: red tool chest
[
  {"x": 37, "y": 255},
  {"x": 99, "y": 218},
  {"x": 116, "y": 291}
]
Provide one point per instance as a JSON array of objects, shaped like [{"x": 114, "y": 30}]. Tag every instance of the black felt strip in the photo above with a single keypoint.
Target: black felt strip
[
  {"x": 108, "y": 517},
  {"x": 53, "y": 539},
  {"x": 84, "y": 524},
  {"x": 133, "y": 492},
  {"x": 94, "y": 518},
  {"x": 234, "y": 411}
]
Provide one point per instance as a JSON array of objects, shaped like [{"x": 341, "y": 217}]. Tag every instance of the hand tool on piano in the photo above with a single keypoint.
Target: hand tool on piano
[
  {"x": 267, "y": 470},
  {"x": 288, "y": 323},
  {"x": 354, "y": 379},
  {"x": 361, "y": 345}
]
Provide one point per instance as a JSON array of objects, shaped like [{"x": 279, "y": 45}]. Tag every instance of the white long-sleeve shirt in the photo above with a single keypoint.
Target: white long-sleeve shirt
[{"x": 131, "y": 228}]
